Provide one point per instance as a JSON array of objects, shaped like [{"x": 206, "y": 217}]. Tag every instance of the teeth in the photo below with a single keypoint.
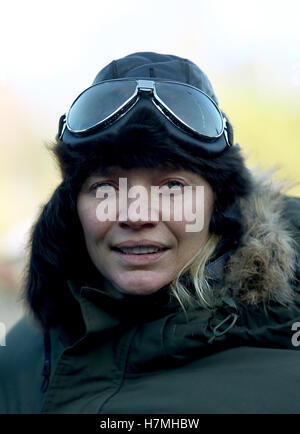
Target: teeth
[{"x": 141, "y": 250}]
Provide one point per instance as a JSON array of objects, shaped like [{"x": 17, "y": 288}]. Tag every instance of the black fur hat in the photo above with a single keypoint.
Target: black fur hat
[
  {"x": 57, "y": 247},
  {"x": 156, "y": 65}
]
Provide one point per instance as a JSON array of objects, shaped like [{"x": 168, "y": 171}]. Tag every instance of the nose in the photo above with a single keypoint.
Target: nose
[
  {"x": 140, "y": 213},
  {"x": 138, "y": 225}
]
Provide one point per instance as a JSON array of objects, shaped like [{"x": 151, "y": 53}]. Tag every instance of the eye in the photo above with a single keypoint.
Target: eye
[
  {"x": 102, "y": 185},
  {"x": 173, "y": 184}
]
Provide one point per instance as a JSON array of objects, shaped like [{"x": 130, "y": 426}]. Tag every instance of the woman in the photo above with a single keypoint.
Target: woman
[{"x": 137, "y": 312}]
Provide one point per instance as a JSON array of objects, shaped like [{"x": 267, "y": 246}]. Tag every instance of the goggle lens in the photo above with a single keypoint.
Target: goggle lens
[
  {"x": 97, "y": 103},
  {"x": 192, "y": 107},
  {"x": 184, "y": 105}
]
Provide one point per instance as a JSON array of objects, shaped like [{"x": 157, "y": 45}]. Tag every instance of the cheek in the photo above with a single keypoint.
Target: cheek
[
  {"x": 208, "y": 207},
  {"x": 177, "y": 228},
  {"x": 186, "y": 242},
  {"x": 193, "y": 208},
  {"x": 93, "y": 229}
]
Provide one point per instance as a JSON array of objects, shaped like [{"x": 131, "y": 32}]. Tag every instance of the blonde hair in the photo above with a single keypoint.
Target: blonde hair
[{"x": 195, "y": 270}]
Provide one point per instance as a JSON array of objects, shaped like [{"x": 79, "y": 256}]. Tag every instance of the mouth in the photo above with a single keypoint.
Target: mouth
[
  {"x": 139, "y": 254},
  {"x": 139, "y": 250}
]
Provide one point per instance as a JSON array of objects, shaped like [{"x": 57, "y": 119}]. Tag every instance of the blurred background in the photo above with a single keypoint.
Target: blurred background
[{"x": 51, "y": 51}]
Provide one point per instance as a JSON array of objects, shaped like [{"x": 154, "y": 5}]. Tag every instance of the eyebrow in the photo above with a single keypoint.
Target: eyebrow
[
  {"x": 112, "y": 171},
  {"x": 119, "y": 173},
  {"x": 106, "y": 172}
]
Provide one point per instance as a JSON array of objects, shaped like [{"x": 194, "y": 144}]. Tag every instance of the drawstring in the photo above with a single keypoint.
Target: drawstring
[
  {"x": 230, "y": 321},
  {"x": 47, "y": 362}
]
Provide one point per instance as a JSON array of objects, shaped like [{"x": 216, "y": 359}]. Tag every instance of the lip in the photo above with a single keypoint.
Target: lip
[
  {"x": 142, "y": 259},
  {"x": 136, "y": 243}
]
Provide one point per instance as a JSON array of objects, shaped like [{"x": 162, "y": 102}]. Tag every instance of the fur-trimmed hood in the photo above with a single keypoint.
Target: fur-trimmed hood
[{"x": 264, "y": 266}]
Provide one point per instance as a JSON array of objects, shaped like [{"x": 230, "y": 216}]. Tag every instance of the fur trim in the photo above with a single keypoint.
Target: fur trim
[{"x": 263, "y": 266}]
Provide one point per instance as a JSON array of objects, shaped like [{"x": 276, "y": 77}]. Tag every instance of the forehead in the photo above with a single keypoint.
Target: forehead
[
  {"x": 116, "y": 170},
  {"x": 159, "y": 172}
]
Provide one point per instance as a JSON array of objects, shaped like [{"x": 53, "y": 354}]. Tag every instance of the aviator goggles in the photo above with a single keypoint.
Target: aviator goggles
[{"x": 187, "y": 107}]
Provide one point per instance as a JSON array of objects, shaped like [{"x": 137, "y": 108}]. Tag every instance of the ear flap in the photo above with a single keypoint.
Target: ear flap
[{"x": 50, "y": 244}]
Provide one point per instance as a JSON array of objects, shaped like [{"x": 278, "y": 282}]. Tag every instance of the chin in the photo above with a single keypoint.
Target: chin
[
  {"x": 142, "y": 286},
  {"x": 140, "y": 290},
  {"x": 139, "y": 282}
]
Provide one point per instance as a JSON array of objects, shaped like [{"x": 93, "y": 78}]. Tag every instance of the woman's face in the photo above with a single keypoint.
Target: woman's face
[{"x": 141, "y": 256}]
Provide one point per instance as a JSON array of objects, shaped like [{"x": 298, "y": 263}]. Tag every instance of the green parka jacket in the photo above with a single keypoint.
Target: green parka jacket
[{"x": 141, "y": 355}]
